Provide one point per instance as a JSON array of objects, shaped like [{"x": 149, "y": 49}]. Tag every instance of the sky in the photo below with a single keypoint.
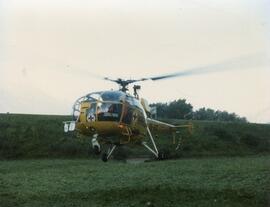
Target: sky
[{"x": 54, "y": 51}]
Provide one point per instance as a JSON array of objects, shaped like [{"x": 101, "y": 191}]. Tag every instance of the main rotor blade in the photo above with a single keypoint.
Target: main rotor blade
[
  {"x": 240, "y": 63},
  {"x": 108, "y": 79},
  {"x": 80, "y": 71}
]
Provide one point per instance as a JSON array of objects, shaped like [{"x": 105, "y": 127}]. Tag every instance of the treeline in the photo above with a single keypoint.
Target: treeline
[{"x": 180, "y": 109}]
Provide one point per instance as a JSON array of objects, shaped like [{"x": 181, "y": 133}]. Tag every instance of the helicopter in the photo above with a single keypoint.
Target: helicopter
[{"x": 117, "y": 118}]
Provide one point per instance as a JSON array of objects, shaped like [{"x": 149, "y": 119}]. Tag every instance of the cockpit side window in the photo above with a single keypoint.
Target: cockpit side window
[
  {"x": 134, "y": 102},
  {"x": 133, "y": 110}
]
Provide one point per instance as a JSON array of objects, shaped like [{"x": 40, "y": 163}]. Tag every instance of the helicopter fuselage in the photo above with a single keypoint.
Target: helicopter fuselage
[{"x": 116, "y": 117}]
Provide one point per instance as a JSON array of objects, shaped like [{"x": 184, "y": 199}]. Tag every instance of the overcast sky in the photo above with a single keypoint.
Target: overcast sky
[{"x": 48, "y": 50}]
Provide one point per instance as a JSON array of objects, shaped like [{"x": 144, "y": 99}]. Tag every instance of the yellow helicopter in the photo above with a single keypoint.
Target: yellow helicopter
[{"x": 118, "y": 118}]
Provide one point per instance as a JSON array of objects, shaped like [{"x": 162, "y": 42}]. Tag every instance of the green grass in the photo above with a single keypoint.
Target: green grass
[
  {"x": 187, "y": 182},
  {"x": 208, "y": 181}
]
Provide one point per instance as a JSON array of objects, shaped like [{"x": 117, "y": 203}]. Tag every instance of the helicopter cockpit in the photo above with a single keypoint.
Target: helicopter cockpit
[{"x": 99, "y": 106}]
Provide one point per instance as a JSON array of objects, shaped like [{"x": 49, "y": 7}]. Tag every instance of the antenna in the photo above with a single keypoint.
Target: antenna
[{"x": 135, "y": 89}]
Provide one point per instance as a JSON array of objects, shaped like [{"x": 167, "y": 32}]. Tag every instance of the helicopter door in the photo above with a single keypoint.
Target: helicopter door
[
  {"x": 133, "y": 112},
  {"x": 127, "y": 114},
  {"x": 91, "y": 112},
  {"x": 83, "y": 111}
]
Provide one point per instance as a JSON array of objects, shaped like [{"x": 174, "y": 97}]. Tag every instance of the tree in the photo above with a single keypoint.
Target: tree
[
  {"x": 180, "y": 109},
  {"x": 177, "y": 109},
  {"x": 204, "y": 114}
]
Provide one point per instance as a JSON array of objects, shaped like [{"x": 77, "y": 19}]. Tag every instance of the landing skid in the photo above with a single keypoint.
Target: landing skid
[
  {"x": 97, "y": 149},
  {"x": 105, "y": 156}
]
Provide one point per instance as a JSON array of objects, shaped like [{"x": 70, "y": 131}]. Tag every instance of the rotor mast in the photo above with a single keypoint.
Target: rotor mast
[{"x": 124, "y": 85}]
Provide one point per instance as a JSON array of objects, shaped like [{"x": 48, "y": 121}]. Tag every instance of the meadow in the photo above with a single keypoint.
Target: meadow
[
  {"x": 186, "y": 182},
  {"x": 219, "y": 164}
]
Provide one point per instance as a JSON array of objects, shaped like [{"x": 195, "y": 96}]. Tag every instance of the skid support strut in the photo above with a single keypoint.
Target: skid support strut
[
  {"x": 106, "y": 156},
  {"x": 155, "y": 150}
]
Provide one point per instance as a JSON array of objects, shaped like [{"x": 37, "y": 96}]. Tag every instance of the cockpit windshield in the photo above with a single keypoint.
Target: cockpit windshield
[
  {"x": 113, "y": 96},
  {"x": 103, "y": 106},
  {"x": 109, "y": 111},
  {"x": 105, "y": 96}
]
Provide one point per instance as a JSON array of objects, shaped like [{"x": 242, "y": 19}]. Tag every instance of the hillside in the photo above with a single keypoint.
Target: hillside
[{"x": 41, "y": 136}]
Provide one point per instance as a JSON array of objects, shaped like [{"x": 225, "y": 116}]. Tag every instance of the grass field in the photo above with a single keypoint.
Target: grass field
[
  {"x": 222, "y": 164},
  {"x": 187, "y": 182}
]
